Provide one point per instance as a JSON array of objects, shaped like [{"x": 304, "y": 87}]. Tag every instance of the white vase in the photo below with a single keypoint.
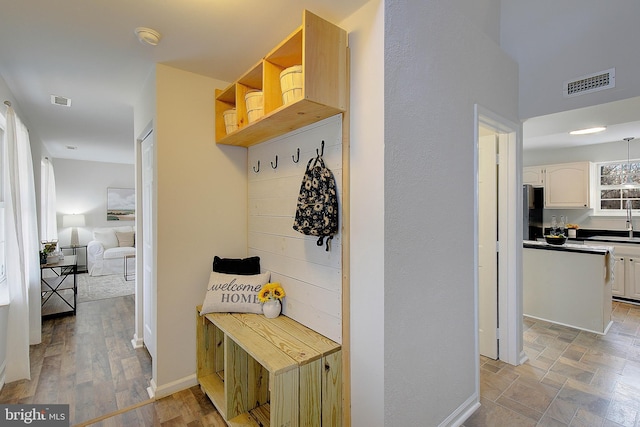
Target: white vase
[{"x": 271, "y": 309}]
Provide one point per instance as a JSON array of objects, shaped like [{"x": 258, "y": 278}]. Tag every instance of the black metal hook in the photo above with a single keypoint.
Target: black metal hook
[
  {"x": 322, "y": 150},
  {"x": 276, "y": 165},
  {"x": 257, "y": 170},
  {"x": 296, "y": 160}
]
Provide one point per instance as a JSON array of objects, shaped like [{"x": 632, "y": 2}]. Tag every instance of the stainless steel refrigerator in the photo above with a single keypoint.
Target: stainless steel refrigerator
[{"x": 533, "y": 199}]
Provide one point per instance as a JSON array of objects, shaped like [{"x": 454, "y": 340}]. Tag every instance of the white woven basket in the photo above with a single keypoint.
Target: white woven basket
[
  {"x": 291, "y": 84},
  {"x": 255, "y": 106},
  {"x": 230, "y": 120}
]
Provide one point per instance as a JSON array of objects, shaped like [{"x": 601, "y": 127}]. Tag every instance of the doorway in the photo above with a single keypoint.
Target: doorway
[{"x": 498, "y": 144}]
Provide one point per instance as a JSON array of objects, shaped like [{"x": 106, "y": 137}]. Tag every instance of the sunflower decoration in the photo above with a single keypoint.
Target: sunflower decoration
[{"x": 271, "y": 291}]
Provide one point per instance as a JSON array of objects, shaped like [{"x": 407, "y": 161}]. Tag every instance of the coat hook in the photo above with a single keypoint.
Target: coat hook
[
  {"x": 257, "y": 170},
  {"x": 296, "y": 160},
  {"x": 322, "y": 150},
  {"x": 276, "y": 165}
]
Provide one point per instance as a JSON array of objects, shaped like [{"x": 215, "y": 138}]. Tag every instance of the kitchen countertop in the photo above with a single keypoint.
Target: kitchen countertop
[
  {"x": 569, "y": 247},
  {"x": 614, "y": 239}
]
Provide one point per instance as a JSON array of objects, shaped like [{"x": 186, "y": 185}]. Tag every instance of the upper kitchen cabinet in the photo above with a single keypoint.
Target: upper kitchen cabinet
[
  {"x": 533, "y": 175},
  {"x": 320, "y": 49},
  {"x": 567, "y": 185}
]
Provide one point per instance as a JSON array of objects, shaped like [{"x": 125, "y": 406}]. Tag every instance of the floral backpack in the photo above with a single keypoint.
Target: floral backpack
[{"x": 317, "y": 211}]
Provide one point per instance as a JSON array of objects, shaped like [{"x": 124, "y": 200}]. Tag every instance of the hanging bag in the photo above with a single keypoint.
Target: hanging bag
[{"x": 317, "y": 211}]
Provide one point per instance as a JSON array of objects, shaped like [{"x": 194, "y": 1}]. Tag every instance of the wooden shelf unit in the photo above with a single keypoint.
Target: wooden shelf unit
[
  {"x": 321, "y": 48},
  {"x": 268, "y": 372}
]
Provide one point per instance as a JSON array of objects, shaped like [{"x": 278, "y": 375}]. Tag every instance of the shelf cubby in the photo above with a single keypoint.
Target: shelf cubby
[{"x": 321, "y": 48}]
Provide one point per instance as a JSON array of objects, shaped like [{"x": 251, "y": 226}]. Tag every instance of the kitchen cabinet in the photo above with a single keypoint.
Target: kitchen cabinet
[
  {"x": 566, "y": 185},
  {"x": 533, "y": 175},
  {"x": 626, "y": 283},
  {"x": 567, "y": 287},
  {"x": 320, "y": 48},
  {"x": 617, "y": 287}
]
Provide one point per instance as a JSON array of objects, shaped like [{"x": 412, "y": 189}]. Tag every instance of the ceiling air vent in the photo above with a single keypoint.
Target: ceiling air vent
[
  {"x": 591, "y": 83},
  {"x": 60, "y": 100}
]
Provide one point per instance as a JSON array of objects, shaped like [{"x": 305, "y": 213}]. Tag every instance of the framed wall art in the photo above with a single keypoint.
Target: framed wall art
[{"x": 121, "y": 204}]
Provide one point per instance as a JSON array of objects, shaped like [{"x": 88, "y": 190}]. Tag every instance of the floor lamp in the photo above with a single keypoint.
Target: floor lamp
[{"x": 73, "y": 221}]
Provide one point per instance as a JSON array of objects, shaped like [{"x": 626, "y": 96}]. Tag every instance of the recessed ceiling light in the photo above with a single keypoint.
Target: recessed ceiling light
[
  {"x": 587, "y": 131},
  {"x": 148, "y": 36}
]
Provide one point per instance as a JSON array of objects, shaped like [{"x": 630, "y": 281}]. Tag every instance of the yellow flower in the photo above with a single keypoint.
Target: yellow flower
[{"x": 271, "y": 291}]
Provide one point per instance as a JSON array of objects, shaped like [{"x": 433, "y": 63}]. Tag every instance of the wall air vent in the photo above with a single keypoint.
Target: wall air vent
[
  {"x": 590, "y": 83},
  {"x": 60, "y": 100}
]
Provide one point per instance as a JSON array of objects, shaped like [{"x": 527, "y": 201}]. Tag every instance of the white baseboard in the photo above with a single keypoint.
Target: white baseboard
[
  {"x": 164, "y": 390},
  {"x": 137, "y": 342},
  {"x": 523, "y": 357},
  {"x": 463, "y": 412}
]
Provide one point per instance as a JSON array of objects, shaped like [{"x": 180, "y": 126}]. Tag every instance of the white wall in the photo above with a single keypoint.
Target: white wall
[
  {"x": 554, "y": 42},
  {"x": 310, "y": 275},
  {"x": 367, "y": 316},
  {"x": 81, "y": 188},
  {"x": 437, "y": 65},
  {"x": 201, "y": 212}
]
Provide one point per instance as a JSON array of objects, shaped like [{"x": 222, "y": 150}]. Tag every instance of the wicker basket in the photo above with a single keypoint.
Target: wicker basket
[
  {"x": 230, "y": 120},
  {"x": 291, "y": 84},
  {"x": 255, "y": 106}
]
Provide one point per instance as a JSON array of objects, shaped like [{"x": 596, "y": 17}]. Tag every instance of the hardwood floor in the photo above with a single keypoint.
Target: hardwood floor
[
  {"x": 88, "y": 362},
  {"x": 572, "y": 378}
]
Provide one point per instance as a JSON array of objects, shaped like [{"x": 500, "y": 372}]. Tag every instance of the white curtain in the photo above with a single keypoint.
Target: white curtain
[
  {"x": 48, "y": 222},
  {"x": 23, "y": 263}
]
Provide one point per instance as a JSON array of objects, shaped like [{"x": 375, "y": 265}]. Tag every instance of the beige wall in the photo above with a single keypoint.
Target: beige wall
[{"x": 201, "y": 212}]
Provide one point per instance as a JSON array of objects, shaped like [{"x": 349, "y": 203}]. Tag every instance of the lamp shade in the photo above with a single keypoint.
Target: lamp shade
[{"x": 73, "y": 220}]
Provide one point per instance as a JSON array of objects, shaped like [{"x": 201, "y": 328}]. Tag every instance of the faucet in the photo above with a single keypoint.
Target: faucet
[{"x": 629, "y": 219}]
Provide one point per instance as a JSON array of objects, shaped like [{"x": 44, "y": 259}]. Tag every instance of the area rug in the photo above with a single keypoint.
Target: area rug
[{"x": 91, "y": 288}]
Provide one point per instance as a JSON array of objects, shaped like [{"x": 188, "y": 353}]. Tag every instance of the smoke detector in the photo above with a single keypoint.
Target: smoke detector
[{"x": 148, "y": 36}]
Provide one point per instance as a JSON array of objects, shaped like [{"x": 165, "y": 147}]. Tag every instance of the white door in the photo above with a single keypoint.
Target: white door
[
  {"x": 487, "y": 245},
  {"x": 149, "y": 293}
]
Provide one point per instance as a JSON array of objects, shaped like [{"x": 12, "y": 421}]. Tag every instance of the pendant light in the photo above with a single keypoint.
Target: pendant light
[{"x": 628, "y": 181}]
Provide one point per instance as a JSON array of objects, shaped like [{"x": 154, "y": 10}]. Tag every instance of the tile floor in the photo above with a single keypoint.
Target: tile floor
[{"x": 572, "y": 378}]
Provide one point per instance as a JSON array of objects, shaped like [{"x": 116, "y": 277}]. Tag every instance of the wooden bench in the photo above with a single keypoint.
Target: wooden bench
[{"x": 268, "y": 372}]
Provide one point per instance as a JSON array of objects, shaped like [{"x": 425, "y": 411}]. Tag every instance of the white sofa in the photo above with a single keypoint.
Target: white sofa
[{"x": 105, "y": 253}]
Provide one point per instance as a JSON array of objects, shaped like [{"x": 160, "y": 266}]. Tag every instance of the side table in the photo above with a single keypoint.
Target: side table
[
  {"x": 128, "y": 275},
  {"x": 64, "y": 279},
  {"x": 82, "y": 268}
]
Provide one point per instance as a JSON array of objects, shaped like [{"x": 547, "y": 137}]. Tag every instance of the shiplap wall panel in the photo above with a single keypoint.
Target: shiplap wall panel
[{"x": 311, "y": 276}]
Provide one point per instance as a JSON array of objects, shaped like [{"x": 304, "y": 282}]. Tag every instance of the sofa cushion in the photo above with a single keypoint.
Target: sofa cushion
[
  {"x": 118, "y": 252},
  {"x": 234, "y": 293},
  {"x": 106, "y": 236},
  {"x": 125, "y": 238}
]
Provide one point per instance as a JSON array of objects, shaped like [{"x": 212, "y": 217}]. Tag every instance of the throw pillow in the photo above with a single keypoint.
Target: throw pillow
[
  {"x": 237, "y": 265},
  {"x": 234, "y": 293},
  {"x": 125, "y": 238},
  {"x": 107, "y": 237}
]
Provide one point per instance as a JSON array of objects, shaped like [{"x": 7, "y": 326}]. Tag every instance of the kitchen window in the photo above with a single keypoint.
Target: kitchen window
[{"x": 617, "y": 183}]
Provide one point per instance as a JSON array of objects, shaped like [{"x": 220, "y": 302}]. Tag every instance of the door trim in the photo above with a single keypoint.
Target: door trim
[{"x": 510, "y": 233}]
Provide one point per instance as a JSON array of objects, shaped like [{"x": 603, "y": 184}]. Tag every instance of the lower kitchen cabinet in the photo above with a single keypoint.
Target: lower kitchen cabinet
[{"x": 626, "y": 282}]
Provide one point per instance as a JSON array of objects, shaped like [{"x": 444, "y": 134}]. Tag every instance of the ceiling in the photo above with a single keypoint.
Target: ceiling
[
  {"x": 552, "y": 131},
  {"x": 86, "y": 50}
]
